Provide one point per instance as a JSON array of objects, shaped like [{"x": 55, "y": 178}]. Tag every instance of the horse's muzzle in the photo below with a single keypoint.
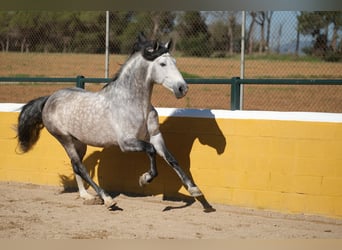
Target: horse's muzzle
[{"x": 181, "y": 89}]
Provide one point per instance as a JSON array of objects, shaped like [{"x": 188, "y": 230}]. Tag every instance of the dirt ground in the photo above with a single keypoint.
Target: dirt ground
[{"x": 30, "y": 211}]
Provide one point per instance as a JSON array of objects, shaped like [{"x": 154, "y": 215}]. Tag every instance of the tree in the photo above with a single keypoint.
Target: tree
[
  {"x": 219, "y": 36},
  {"x": 316, "y": 24},
  {"x": 163, "y": 23},
  {"x": 155, "y": 24},
  {"x": 90, "y": 32},
  {"x": 264, "y": 18},
  {"x": 45, "y": 36},
  {"x": 335, "y": 17},
  {"x": 66, "y": 25},
  {"x": 22, "y": 26},
  {"x": 119, "y": 21},
  {"x": 194, "y": 35},
  {"x": 5, "y": 18},
  {"x": 231, "y": 29},
  {"x": 225, "y": 34}
]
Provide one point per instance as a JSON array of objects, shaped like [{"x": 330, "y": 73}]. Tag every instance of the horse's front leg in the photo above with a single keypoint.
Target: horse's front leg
[
  {"x": 158, "y": 142},
  {"x": 142, "y": 146}
]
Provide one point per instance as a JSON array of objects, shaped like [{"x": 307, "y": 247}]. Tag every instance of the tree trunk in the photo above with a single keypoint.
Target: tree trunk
[
  {"x": 7, "y": 44},
  {"x": 250, "y": 33},
  {"x": 22, "y": 45},
  {"x": 262, "y": 42},
  {"x": 297, "y": 42},
  {"x": 280, "y": 31},
  {"x": 268, "y": 32},
  {"x": 155, "y": 30},
  {"x": 231, "y": 22},
  {"x": 260, "y": 19},
  {"x": 334, "y": 38},
  {"x": 27, "y": 48},
  {"x": 156, "y": 20}
]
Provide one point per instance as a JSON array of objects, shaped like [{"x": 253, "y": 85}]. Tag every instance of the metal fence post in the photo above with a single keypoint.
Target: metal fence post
[
  {"x": 242, "y": 64},
  {"x": 107, "y": 46},
  {"x": 80, "y": 82},
  {"x": 235, "y": 94}
]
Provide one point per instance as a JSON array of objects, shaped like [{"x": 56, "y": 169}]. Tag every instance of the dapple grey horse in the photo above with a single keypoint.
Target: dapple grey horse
[{"x": 120, "y": 114}]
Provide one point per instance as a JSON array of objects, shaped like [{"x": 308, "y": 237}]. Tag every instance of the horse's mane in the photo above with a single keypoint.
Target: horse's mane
[{"x": 150, "y": 50}]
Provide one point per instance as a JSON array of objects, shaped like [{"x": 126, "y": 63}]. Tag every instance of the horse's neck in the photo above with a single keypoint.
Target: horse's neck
[{"x": 133, "y": 84}]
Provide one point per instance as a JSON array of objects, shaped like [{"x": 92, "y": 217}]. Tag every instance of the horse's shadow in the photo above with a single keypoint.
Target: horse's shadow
[{"x": 122, "y": 171}]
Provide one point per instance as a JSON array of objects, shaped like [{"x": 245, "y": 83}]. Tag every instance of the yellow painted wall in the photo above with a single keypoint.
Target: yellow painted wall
[{"x": 287, "y": 166}]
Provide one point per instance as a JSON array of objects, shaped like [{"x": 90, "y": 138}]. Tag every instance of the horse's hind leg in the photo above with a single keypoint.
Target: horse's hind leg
[
  {"x": 74, "y": 153},
  {"x": 81, "y": 149}
]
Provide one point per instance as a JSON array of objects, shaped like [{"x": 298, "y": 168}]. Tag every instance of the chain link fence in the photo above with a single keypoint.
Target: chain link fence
[{"x": 278, "y": 44}]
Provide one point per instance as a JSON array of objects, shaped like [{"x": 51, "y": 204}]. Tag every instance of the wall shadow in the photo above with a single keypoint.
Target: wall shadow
[{"x": 122, "y": 172}]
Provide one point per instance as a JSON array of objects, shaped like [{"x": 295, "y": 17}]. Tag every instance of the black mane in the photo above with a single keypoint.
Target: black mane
[{"x": 150, "y": 49}]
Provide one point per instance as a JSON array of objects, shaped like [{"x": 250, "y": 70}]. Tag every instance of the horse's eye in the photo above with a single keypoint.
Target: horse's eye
[{"x": 163, "y": 64}]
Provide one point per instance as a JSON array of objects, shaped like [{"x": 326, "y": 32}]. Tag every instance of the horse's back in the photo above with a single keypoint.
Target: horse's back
[{"x": 65, "y": 102}]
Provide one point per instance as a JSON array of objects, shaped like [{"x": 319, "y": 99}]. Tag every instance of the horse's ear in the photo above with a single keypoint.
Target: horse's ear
[
  {"x": 141, "y": 37},
  {"x": 169, "y": 44},
  {"x": 155, "y": 45}
]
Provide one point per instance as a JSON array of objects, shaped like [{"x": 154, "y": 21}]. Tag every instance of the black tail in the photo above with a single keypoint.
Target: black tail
[{"x": 30, "y": 123}]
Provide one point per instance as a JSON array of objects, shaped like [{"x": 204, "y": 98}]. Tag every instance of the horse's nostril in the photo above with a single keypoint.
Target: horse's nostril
[
  {"x": 180, "y": 90},
  {"x": 183, "y": 89}
]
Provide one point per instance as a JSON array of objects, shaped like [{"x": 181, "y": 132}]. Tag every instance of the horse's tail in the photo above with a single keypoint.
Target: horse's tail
[{"x": 30, "y": 123}]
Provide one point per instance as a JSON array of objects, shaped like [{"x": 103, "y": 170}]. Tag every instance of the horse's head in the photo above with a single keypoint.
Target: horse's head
[{"x": 163, "y": 68}]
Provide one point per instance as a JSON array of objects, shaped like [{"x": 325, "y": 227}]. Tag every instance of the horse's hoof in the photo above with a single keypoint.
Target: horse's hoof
[
  {"x": 195, "y": 192},
  {"x": 145, "y": 179},
  {"x": 109, "y": 203}
]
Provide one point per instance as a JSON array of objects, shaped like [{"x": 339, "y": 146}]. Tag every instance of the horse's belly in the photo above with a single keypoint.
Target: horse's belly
[
  {"x": 106, "y": 134},
  {"x": 97, "y": 136}
]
